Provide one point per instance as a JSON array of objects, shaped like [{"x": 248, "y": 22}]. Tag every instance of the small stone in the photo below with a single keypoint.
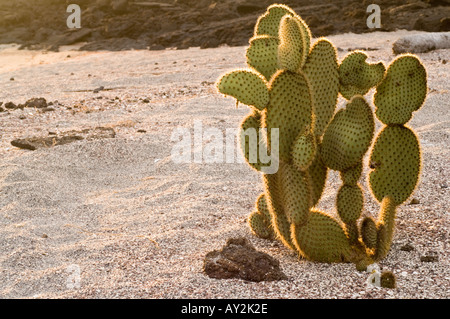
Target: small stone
[
  {"x": 146, "y": 100},
  {"x": 414, "y": 201},
  {"x": 10, "y": 106},
  {"x": 11, "y": 79},
  {"x": 141, "y": 131},
  {"x": 429, "y": 258},
  {"x": 38, "y": 103},
  {"x": 22, "y": 117},
  {"x": 98, "y": 89},
  {"x": 44, "y": 236},
  {"x": 444, "y": 61},
  {"x": 408, "y": 247}
]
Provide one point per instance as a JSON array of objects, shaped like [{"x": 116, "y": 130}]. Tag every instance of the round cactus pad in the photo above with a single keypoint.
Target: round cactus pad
[
  {"x": 348, "y": 136},
  {"x": 262, "y": 55},
  {"x": 396, "y": 160},
  {"x": 247, "y": 86},
  {"x": 402, "y": 91}
]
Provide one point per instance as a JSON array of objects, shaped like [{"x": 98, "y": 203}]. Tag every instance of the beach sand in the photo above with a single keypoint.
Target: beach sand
[{"x": 119, "y": 215}]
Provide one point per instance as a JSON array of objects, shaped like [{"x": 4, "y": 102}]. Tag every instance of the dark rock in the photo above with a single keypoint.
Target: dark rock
[
  {"x": 34, "y": 143},
  {"x": 12, "y": 106},
  {"x": 407, "y": 247},
  {"x": 430, "y": 257},
  {"x": 239, "y": 259},
  {"x": 98, "y": 89},
  {"x": 47, "y": 109},
  {"x": 38, "y": 103}
]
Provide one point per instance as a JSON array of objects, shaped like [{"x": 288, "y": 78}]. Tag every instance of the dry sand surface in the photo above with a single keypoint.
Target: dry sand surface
[{"x": 136, "y": 224}]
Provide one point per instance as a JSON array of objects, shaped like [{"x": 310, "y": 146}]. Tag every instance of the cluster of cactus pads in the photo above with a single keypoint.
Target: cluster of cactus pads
[{"x": 293, "y": 86}]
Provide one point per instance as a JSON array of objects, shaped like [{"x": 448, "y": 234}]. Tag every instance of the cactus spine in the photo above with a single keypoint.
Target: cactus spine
[{"x": 293, "y": 87}]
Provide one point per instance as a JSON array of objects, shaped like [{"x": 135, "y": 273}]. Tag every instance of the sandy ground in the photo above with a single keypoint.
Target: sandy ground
[{"x": 133, "y": 224}]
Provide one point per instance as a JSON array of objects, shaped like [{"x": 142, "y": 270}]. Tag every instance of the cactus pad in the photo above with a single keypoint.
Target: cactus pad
[
  {"x": 349, "y": 203},
  {"x": 321, "y": 70},
  {"x": 357, "y": 76},
  {"x": 246, "y": 86},
  {"x": 351, "y": 175},
  {"x": 321, "y": 239},
  {"x": 317, "y": 172},
  {"x": 385, "y": 226},
  {"x": 369, "y": 233},
  {"x": 289, "y": 110},
  {"x": 262, "y": 55},
  {"x": 269, "y": 23},
  {"x": 280, "y": 223},
  {"x": 261, "y": 206},
  {"x": 296, "y": 195},
  {"x": 293, "y": 47},
  {"x": 250, "y": 139},
  {"x": 395, "y": 169},
  {"x": 402, "y": 91},
  {"x": 259, "y": 225},
  {"x": 304, "y": 150},
  {"x": 348, "y": 136}
]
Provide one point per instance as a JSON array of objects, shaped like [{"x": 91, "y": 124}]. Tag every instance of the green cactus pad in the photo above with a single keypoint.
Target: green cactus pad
[
  {"x": 280, "y": 223},
  {"x": 261, "y": 206},
  {"x": 289, "y": 110},
  {"x": 269, "y": 23},
  {"x": 357, "y": 76},
  {"x": 385, "y": 226},
  {"x": 262, "y": 55},
  {"x": 402, "y": 91},
  {"x": 259, "y": 225},
  {"x": 322, "y": 239},
  {"x": 321, "y": 71},
  {"x": 349, "y": 203},
  {"x": 348, "y": 136},
  {"x": 352, "y": 233},
  {"x": 317, "y": 172},
  {"x": 351, "y": 175},
  {"x": 396, "y": 163},
  {"x": 247, "y": 86},
  {"x": 304, "y": 150},
  {"x": 295, "y": 194},
  {"x": 294, "y": 46},
  {"x": 251, "y": 124},
  {"x": 369, "y": 233}
]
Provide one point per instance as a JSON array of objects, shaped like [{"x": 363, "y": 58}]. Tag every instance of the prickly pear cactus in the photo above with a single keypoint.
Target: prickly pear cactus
[{"x": 292, "y": 88}]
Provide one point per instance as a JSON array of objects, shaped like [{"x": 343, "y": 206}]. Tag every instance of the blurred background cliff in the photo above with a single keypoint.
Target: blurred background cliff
[{"x": 125, "y": 24}]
